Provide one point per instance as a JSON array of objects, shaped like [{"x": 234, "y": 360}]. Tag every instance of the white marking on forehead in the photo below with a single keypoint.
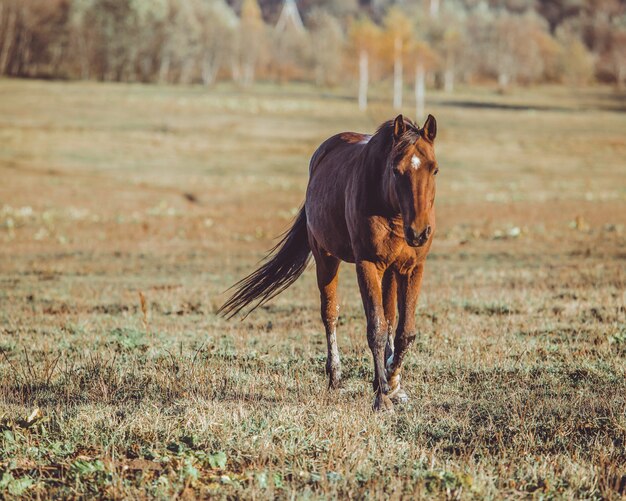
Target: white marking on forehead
[
  {"x": 365, "y": 140},
  {"x": 415, "y": 162}
]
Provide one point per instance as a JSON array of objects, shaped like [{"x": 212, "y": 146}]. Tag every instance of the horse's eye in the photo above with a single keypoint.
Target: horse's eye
[
  {"x": 436, "y": 171},
  {"x": 396, "y": 172}
]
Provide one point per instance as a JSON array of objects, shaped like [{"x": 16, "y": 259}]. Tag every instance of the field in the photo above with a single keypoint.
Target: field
[{"x": 127, "y": 210}]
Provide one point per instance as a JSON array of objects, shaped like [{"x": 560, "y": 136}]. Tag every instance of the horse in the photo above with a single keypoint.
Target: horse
[{"x": 369, "y": 201}]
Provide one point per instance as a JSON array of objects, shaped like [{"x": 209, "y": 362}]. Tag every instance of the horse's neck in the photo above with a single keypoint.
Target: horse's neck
[{"x": 375, "y": 185}]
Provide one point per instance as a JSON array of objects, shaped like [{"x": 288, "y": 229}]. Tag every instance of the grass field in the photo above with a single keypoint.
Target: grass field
[{"x": 113, "y": 192}]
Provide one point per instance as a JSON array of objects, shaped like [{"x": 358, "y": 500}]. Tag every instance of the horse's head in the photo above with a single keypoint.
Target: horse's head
[{"x": 413, "y": 168}]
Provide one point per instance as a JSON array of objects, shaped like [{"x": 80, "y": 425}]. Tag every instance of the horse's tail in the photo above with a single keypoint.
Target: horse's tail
[{"x": 284, "y": 264}]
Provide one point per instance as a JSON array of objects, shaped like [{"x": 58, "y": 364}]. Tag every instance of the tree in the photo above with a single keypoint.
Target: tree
[
  {"x": 33, "y": 37},
  {"x": 602, "y": 28},
  {"x": 477, "y": 53},
  {"x": 218, "y": 23},
  {"x": 517, "y": 48},
  {"x": 434, "y": 9},
  {"x": 81, "y": 39},
  {"x": 504, "y": 44},
  {"x": 343, "y": 10},
  {"x": 364, "y": 36},
  {"x": 9, "y": 18},
  {"x": 452, "y": 40},
  {"x": 328, "y": 43},
  {"x": 291, "y": 44},
  {"x": 424, "y": 59},
  {"x": 152, "y": 25},
  {"x": 575, "y": 61},
  {"x": 45, "y": 34},
  {"x": 398, "y": 35},
  {"x": 188, "y": 32},
  {"x": 113, "y": 26},
  {"x": 557, "y": 11},
  {"x": 617, "y": 56},
  {"x": 250, "y": 41}
]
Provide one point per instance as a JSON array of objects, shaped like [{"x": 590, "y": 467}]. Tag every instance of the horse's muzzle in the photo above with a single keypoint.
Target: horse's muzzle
[{"x": 415, "y": 239}]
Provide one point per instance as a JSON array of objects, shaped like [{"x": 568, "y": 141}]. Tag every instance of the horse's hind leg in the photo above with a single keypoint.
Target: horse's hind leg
[{"x": 327, "y": 268}]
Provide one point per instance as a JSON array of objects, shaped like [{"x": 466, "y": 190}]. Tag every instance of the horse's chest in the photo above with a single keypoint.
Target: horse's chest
[
  {"x": 389, "y": 246},
  {"x": 406, "y": 259},
  {"x": 384, "y": 241}
]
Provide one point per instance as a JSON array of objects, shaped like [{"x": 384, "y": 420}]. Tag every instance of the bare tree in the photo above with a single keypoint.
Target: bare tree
[
  {"x": 218, "y": 24},
  {"x": 107, "y": 29},
  {"x": 250, "y": 42},
  {"x": 398, "y": 36},
  {"x": 152, "y": 18},
  {"x": 558, "y": 11},
  {"x": 8, "y": 23},
  {"x": 187, "y": 36},
  {"x": 576, "y": 61},
  {"x": 424, "y": 59},
  {"x": 452, "y": 43},
  {"x": 33, "y": 37},
  {"x": 515, "y": 53},
  {"x": 617, "y": 56},
  {"x": 291, "y": 46},
  {"x": 81, "y": 39},
  {"x": 328, "y": 45},
  {"x": 434, "y": 9},
  {"x": 364, "y": 40}
]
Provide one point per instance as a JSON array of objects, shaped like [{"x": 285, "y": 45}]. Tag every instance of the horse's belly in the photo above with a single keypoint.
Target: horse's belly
[{"x": 327, "y": 224}]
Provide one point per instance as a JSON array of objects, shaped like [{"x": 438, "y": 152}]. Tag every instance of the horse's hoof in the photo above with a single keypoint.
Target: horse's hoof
[
  {"x": 399, "y": 396},
  {"x": 382, "y": 403}
]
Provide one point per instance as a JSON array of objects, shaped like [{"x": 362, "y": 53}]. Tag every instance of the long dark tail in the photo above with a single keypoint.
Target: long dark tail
[{"x": 284, "y": 264}]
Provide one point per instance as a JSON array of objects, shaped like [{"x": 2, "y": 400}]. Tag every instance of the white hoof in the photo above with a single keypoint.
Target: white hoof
[{"x": 398, "y": 395}]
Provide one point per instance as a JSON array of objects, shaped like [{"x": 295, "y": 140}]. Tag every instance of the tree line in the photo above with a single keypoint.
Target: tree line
[{"x": 423, "y": 42}]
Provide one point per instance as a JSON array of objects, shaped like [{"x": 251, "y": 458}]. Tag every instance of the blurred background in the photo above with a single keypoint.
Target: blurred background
[{"x": 440, "y": 43}]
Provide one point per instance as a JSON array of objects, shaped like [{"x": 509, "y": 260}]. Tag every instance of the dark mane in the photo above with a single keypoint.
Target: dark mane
[
  {"x": 383, "y": 138},
  {"x": 411, "y": 128}
]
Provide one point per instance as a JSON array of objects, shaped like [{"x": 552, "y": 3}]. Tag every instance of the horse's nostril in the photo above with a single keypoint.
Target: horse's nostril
[
  {"x": 415, "y": 238},
  {"x": 424, "y": 235}
]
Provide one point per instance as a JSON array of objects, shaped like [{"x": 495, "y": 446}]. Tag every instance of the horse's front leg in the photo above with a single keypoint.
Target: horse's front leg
[
  {"x": 409, "y": 286},
  {"x": 390, "y": 304},
  {"x": 370, "y": 277}
]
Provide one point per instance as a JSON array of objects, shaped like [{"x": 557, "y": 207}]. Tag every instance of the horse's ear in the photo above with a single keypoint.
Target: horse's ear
[
  {"x": 430, "y": 128},
  {"x": 399, "y": 127}
]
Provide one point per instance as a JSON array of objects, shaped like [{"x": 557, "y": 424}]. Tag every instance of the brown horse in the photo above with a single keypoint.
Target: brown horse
[{"x": 370, "y": 201}]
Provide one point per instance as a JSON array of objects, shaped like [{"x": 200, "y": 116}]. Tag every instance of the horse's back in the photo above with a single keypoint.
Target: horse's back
[
  {"x": 338, "y": 150},
  {"x": 330, "y": 170}
]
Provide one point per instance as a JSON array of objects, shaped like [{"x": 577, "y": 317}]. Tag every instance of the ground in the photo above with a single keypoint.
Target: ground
[{"x": 127, "y": 210}]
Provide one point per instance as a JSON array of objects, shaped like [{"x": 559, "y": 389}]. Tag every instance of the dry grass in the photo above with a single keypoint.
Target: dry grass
[{"x": 126, "y": 210}]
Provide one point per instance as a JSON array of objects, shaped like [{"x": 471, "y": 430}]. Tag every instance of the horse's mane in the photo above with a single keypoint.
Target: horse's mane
[
  {"x": 383, "y": 138},
  {"x": 412, "y": 127}
]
